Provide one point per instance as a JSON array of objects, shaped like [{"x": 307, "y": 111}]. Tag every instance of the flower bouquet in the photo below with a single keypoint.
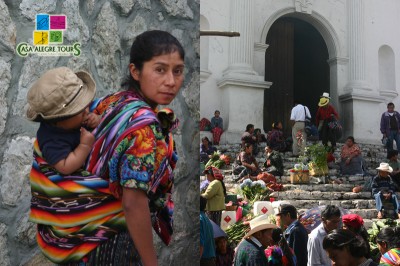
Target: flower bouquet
[{"x": 254, "y": 190}]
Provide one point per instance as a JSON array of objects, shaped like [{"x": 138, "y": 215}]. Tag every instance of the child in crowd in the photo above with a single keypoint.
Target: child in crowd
[
  {"x": 384, "y": 189},
  {"x": 59, "y": 100}
]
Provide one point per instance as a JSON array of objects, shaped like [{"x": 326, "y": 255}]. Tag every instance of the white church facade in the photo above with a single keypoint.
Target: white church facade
[{"x": 296, "y": 50}]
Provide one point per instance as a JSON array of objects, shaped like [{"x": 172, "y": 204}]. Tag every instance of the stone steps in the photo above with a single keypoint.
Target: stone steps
[
  {"x": 346, "y": 204},
  {"x": 306, "y": 196}
]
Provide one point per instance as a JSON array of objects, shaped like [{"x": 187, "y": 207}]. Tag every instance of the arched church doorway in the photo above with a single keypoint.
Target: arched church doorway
[{"x": 296, "y": 63}]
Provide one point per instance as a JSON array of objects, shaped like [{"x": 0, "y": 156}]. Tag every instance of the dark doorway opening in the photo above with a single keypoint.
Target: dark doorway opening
[{"x": 296, "y": 63}]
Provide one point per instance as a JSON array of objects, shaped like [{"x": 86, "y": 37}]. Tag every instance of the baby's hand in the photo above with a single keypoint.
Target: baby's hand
[
  {"x": 92, "y": 120},
  {"x": 87, "y": 138}
]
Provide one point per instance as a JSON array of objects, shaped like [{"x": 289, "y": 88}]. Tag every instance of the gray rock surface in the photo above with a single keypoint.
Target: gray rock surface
[
  {"x": 177, "y": 8},
  {"x": 77, "y": 30},
  {"x": 191, "y": 94},
  {"x": 125, "y": 5},
  {"x": 106, "y": 47},
  {"x": 14, "y": 170},
  {"x": 145, "y": 3},
  {"x": 30, "y": 8},
  {"x": 8, "y": 32},
  {"x": 5, "y": 78},
  {"x": 4, "y": 252}
]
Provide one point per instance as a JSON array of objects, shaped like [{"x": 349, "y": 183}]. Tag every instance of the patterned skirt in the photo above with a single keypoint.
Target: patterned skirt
[{"x": 119, "y": 250}]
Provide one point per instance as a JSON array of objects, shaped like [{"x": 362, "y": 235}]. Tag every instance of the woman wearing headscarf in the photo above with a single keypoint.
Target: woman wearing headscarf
[
  {"x": 355, "y": 223},
  {"x": 215, "y": 194}
]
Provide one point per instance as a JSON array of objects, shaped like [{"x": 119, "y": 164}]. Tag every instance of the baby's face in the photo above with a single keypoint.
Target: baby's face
[{"x": 75, "y": 122}]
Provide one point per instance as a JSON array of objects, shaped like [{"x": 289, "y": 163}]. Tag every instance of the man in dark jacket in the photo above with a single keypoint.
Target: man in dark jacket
[
  {"x": 390, "y": 127},
  {"x": 295, "y": 234},
  {"x": 383, "y": 189}
]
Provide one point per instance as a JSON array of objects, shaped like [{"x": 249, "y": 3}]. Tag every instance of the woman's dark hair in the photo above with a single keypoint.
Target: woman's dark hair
[
  {"x": 277, "y": 237},
  {"x": 248, "y": 127},
  {"x": 205, "y": 138},
  {"x": 389, "y": 235},
  {"x": 330, "y": 211},
  {"x": 148, "y": 45},
  {"x": 362, "y": 232},
  {"x": 256, "y": 131},
  {"x": 247, "y": 145},
  {"x": 210, "y": 171},
  {"x": 351, "y": 138},
  {"x": 341, "y": 238}
]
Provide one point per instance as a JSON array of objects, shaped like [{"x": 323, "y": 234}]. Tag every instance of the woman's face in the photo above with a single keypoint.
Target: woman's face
[
  {"x": 205, "y": 142},
  {"x": 349, "y": 142},
  {"x": 279, "y": 126},
  {"x": 249, "y": 149},
  {"x": 340, "y": 257},
  {"x": 160, "y": 78}
]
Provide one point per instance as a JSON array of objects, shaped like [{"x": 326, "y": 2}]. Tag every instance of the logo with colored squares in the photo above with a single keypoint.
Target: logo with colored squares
[
  {"x": 49, "y": 29},
  {"x": 48, "y": 38}
]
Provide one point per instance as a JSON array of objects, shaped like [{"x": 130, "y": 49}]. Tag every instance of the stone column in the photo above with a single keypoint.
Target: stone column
[
  {"x": 242, "y": 87},
  {"x": 357, "y": 82},
  {"x": 241, "y": 48},
  {"x": 358, "y": 94}
]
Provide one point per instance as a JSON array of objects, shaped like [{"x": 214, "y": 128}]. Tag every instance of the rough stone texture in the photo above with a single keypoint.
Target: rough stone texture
[
  {"x": 77, "y": 30},
  {"x": 15, "y": 169},
  {"x": 177, "y": 8},
  {"x": 26, "y": 231},
  {"x": 7, "y": 26},
  {"x": 106, "y": 34},
  {"x": 30, "y": 8},
  {"x": 105, "y": 46},
  {"x": 33, "y": 68},
  {"x": 79, "y": 63},
  {"x": 90, "y": 6},
  {"x": 191, "y": 95},
  {"x": 5, "y": 77},
  {"x": 136, "y": 27},
  {"x": 125, "y": 5},
  {"x": 4, "y": 252},
  {"x": 145, "y": 3}
]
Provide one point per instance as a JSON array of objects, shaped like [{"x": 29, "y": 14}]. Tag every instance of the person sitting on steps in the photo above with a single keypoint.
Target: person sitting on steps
[{"x": 384, "y": 189}]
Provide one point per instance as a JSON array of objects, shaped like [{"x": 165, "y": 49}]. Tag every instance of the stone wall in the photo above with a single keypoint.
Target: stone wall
[{"x": 105, "y": 29}]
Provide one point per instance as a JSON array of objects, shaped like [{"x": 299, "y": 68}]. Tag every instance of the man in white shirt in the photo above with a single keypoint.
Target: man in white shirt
[
  {"x": 297, "y": 117},
  {"x": 331, "y": 219}
]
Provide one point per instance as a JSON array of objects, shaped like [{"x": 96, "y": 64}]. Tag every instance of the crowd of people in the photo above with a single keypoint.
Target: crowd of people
[{"x": 337, "y": 240}]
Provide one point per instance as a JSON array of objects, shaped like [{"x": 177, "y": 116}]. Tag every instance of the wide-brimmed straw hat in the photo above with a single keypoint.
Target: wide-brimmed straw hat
[
  {"x": 60, "y": 93},
  {"x": 323, "y": 102},
  {"x": 385, "y": 167},
  {"x": 258, "y": 224}
]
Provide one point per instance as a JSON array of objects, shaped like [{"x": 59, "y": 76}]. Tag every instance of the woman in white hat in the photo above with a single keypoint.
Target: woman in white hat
[
  {"x": 383, "y": 189},
  {"x": 326, "y": 112},
  {"x": 250, "y": 250}
]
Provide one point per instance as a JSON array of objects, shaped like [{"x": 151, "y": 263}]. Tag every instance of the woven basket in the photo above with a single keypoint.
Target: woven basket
[{"x": 299, "y": 177}]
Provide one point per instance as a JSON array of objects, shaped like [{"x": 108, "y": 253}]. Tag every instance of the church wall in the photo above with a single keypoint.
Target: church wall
[{"x": 217, "y": 15}]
